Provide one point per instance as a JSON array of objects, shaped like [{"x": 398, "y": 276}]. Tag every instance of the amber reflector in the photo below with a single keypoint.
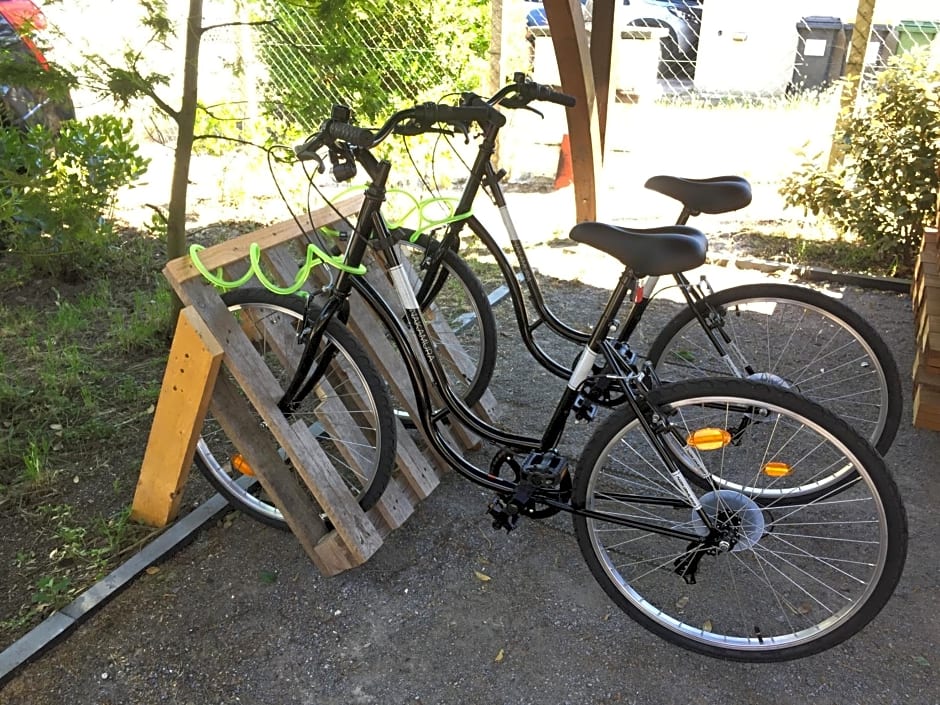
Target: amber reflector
[
  {"x": 241, "y": 465},
  {"x": 777, "y": 469},
  {"x": 709, "y": 438}
]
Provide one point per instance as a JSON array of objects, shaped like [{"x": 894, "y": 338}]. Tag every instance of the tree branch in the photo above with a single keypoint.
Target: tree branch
[
  {"x": 258, "y": 23},
  {"x": 229, "y": 139}
]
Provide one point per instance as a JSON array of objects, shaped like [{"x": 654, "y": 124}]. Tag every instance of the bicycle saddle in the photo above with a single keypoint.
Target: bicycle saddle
[
  {"x": 719, "y": 194},
  {"x": 647, "y": 251}
]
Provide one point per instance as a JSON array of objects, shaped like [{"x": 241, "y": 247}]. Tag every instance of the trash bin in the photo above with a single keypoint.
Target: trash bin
[
  {"x": 882, "y": 45},
  {"x": 820, "y": 40},
  {"x": 915, "y": 33},
  {"x": 746, "y": 47},
  {"x": 635, "y": 65}
]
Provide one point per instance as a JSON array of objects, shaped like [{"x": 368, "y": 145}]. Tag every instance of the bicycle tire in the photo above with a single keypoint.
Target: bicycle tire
[
  {"x": 833, "y": 336},
  {"x": 798, "y": 577},
  {"x": 351, "y": 380},
  {"x": 460, "y": 302}
]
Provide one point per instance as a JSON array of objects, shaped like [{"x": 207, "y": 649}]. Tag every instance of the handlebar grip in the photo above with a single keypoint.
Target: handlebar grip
[
  {"x": 564, "y": 99},
  {"x": 359, "y": 136},
  {"x": 542, "y": 92}
]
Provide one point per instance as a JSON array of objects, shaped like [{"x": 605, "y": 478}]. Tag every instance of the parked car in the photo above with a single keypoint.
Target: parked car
[
  {"x": 681, "y": 18},
  {"x": 535, "y": 16},
  {"x": 25, "y": 105}
]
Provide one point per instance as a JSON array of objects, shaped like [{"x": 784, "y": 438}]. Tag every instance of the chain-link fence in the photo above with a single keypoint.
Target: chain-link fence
[
  {"x": 680, "y": 48},
  {"x": 739, "y": 87},
  {"x": 368, "y": 54}
]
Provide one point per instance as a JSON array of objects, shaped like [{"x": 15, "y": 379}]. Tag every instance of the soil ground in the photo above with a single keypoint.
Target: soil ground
[{"x": 240, "y": 615}]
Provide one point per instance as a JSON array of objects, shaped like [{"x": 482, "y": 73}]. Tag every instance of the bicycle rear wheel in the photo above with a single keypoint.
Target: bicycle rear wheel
[
  {"x": 349, "y": 411},
  {"x": 782, "y": 577},
  {"x": 798, "y": 338}
]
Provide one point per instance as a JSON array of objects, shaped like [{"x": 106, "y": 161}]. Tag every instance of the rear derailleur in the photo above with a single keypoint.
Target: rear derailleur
[{"x": 540, "y": 476}]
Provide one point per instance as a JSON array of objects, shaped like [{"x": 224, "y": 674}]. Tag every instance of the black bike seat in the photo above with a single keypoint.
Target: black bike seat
[
  {"x": 719, "y": 194},
  {"x": 647, "y": 251}
]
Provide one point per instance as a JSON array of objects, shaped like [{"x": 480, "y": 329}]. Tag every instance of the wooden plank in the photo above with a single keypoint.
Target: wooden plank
[
  {"x": 931, "y": 350},
  {"x": 393, "y": 508},
  {"x": 226, "y": 253},
  {"x": 232, "y": 411},
  {"x": 924, "y": 375},
  {"x": 926, "y": 407},
  {"x": 601, "y": 45},
  {"x": 313, "y": 465},
  {"x": 368, "y": 330},
  {"x": 259, "y": 385},
  {"x": 569, "y": 38},
  {"x": 191, "y": 370}
]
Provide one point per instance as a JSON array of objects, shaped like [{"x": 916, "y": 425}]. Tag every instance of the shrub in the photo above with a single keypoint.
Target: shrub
[
  {"x": 884, "y": 192},
  {"x": 58, "y": 191},
  {"x": 373, "y": 55}
]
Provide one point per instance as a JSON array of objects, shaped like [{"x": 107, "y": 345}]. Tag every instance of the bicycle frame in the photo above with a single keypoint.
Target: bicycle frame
[
  {"x": 484, "y": 175},
  {"x": 371, "y": 228}
]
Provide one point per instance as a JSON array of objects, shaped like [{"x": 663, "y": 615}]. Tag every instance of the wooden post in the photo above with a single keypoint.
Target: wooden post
[
  {"x": 575, "y": 71},
  {"x": 190, "y": 374}
]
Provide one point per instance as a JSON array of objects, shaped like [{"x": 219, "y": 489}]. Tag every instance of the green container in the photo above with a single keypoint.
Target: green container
[{"x": 915, "y": 33}]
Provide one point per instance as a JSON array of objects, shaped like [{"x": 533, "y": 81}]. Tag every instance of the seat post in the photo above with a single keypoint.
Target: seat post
[{"x": 626, "y": 286}]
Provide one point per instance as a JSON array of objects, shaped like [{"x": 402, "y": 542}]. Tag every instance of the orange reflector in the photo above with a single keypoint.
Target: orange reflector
[
  {"x": 777, "y": 469},
  {"x": 709, "y": 439},
  {"x": 241, "y": 465}
]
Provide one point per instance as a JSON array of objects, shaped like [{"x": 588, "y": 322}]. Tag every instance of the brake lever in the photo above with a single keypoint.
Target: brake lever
[
  {"x": 462, "y": 129},
  {"x": 537, "y": 112},
  {"x": 514, "y": 102},
  {"x": 518, "y": 102}
]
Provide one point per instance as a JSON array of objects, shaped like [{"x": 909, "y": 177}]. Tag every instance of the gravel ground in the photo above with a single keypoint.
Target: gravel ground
[{"x": 241, "y": 615}]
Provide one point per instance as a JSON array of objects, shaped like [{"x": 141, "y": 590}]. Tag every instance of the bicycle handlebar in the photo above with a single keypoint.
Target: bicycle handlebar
[
  {"x": 415, "y": 120},
  {"x": 423, "y": 118},
  {"x": 358, "y": 136},
  {"x": 522, "y": 91}
]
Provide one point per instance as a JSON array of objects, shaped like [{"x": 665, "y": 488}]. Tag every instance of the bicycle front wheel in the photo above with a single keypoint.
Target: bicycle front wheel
[
  {"x": 794, "y": 337},
  {"x": 349, "y": 411},
  {"x": 769, "y": 579}
]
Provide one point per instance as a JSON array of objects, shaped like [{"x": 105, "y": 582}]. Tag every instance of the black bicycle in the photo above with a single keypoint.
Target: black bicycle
[
  {"x": 693, "y": 503},
  {"x": 789, "y": 335}
]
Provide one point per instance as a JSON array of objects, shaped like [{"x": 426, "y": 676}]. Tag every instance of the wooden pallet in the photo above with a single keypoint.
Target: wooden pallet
[
  {"x": 207, "y": 337},
  {"x": 925, "y": 297}
]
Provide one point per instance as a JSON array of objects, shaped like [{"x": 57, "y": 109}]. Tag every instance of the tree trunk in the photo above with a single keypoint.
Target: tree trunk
[{"x": 185, "y": 122}]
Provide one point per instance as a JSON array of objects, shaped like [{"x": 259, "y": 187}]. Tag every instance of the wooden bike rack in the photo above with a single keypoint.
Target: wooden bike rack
[
  {"x": 925, "y": 296},
  {"x": 207, "y": 337}
]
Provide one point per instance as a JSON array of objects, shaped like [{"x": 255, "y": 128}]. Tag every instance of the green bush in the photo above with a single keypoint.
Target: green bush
[
  {"x": 884, "y": 191},
  {"x": 58, "y": 191},
  {"x": 372, "y": 55}
]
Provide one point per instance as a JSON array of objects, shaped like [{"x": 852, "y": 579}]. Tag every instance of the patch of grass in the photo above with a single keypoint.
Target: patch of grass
[
  {"x": 817, "y": 250},
  {"x": 82, "y": 368}
]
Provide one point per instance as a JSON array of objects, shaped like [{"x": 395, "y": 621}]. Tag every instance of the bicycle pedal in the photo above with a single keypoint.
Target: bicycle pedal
[
  {"x": 544, "y": 469},
  {"x": 505, "y": 514},
  {"x": 584, "y": 409}
]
